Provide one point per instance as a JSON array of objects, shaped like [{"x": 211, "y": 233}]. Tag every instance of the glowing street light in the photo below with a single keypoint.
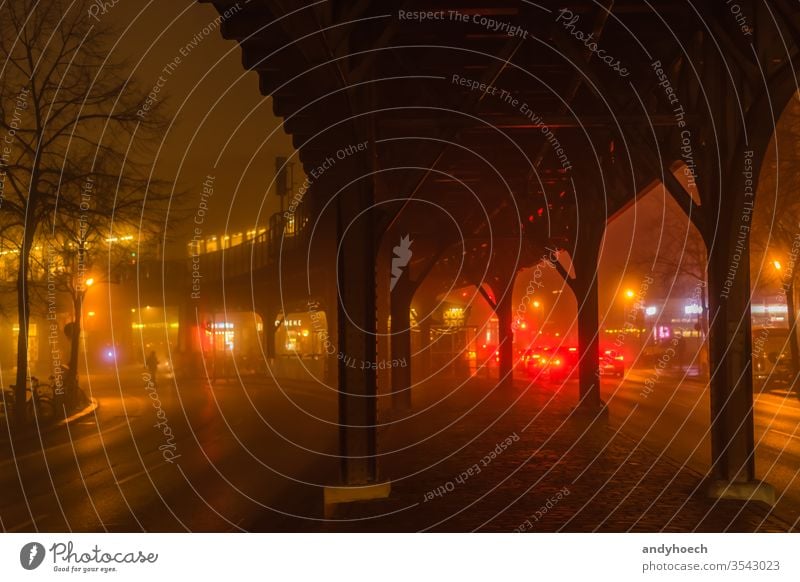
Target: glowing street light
[
  {"x": 777, "y": 265},
  {"x": 89, "y": 282},
  {"x": 537, "y": 305},
  {"x": 627, "y": 295}
]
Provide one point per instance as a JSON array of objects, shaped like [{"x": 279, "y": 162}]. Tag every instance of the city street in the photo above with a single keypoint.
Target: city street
[
  {"x": 227, "y": 467},
  {"x": 673, "y": 420},
  {"x": 229, "y": 470}
]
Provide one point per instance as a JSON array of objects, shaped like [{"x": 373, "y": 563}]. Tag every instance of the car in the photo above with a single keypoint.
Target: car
[
  {"x": 559, "y": 364},
  {"x": 533, "y": 358},
  {"x": 772, "y": 369},
  {"x": 612, "y": 363}
]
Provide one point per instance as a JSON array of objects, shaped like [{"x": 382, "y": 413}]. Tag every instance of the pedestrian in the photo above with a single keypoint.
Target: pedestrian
[{"x": 152, "y": 366}]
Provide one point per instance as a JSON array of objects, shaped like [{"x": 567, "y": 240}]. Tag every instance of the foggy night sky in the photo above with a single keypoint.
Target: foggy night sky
[{"x": 208, "y": 95}]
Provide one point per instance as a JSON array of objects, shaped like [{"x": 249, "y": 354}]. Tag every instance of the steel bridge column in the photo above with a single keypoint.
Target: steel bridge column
[
  {"x": 730, "y": 344},
  {"x": 356, "y": 335},
  {"x": 400, "y": 299},
  {"x": 505, "y": 320}
]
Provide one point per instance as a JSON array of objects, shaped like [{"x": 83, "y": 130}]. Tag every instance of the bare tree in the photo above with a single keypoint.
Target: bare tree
[
  {"x": 76, "y": 256},
  {"x": 69, "y": 117},
  {"x": 681, "y": 261},
  {"x": 776, "y": 219}
]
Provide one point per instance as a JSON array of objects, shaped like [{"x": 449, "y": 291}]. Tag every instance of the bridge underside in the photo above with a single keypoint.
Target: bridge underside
[{"x": 493, "y": 134}]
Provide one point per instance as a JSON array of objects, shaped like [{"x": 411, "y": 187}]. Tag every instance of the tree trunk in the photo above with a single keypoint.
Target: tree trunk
[
  {"x": 791, "y": 320},
  {"x": 704, "y": 346},
  {"x": 74, "y": 349}
]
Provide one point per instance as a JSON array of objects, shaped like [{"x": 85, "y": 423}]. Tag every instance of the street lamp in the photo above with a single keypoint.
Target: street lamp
[
  {"x": 783, "y": 285},
  {"x": 537, "y": 305},
  {"x": 786, "y": 282},
  {"x": 627, "y": 295},
  {"x": 89, "y": 282}
]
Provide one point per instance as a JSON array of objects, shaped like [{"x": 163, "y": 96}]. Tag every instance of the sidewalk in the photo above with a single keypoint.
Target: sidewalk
[{"x": 490, "y": 460}]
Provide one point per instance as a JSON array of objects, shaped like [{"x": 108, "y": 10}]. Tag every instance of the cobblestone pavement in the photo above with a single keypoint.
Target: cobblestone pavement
[{"x": 480, "y": 458}]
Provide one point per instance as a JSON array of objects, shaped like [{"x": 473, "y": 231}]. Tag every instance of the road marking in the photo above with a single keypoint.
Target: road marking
[{"x": 90, "y": 408}]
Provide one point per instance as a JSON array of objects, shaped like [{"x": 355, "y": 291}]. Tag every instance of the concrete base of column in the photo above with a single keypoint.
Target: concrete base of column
[
  {"x": 333, "y": 496},
  {"x": 740, "y": 490}
]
